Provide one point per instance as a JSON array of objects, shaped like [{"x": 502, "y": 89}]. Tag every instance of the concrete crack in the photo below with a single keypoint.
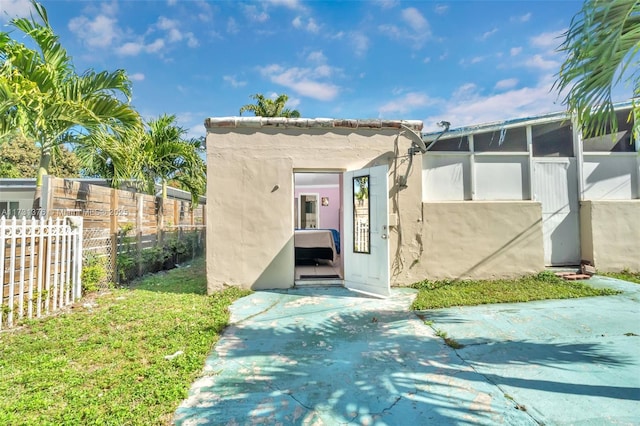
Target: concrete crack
[
  {"x": 298, "y": 401},
  {"x": 258, "y": 313},
  {"x": 392, "y": 405},
  {"x": 288, "y": 392},
  {"x": 517, "y": 405}
]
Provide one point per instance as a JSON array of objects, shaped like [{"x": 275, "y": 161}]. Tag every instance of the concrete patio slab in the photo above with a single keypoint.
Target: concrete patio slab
[
  {"x": 330, "y": 357},
  {"x": 326, "y": 356},
  {"x": 573, "y": 361}
]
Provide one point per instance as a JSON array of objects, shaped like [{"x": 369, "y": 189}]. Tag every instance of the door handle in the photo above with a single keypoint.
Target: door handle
[{"x": 383, "y": 236}]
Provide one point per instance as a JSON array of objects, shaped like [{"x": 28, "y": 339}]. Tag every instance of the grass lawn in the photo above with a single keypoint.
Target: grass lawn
[
  {"x": 443, "y": 294},
  {"x": 104, "y": 362},
  {"x": 632, "y": 277}
]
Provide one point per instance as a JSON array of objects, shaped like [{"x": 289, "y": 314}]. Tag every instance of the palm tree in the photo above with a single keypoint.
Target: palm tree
[
  {"x": 602, "y": 43},
  {"x": 158, "y": 154},
  {"x": 113, "y": 156},
  {"x": 169, "y": 156},
  {"x": 265, "y": 107},
  {"x": 43, "y": 97}
]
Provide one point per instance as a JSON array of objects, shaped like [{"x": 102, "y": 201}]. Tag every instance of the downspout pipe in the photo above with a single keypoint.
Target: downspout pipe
[{"x": 418, "y": 146}]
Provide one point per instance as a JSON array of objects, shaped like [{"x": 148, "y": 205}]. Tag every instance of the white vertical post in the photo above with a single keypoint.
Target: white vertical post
[
  {"x": 47, "y": 282},
  {"x": 12, "y": 270},
  {"x": 32, "y": 262},
  {"x": 578, "y": 153},
  {"x": 56, "y": 266},
  {"x": 69, "y": 283},
  {"x": 41, "y": 266},
  {"x": 62, "y": 249},
  {"x": 530, "y": 151},
  {"x": 23, "y": 255},
  {"x": 3, "y": 221},
  {"x": 472, "y": 167},
  {"x": 78, "y": 258}
]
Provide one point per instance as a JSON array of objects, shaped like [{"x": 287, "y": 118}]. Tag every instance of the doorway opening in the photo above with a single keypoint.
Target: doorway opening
[{"x": 318, "y": 228}]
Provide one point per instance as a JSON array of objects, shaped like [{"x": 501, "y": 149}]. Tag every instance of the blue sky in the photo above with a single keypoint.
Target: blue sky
[{"x": 466, "y": 62}]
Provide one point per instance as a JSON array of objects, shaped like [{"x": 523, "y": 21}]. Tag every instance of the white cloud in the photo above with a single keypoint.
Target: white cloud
[
  {"x": 426, "y": 60},
  {"x": 99, "y": 32},
  {"x": 130, "y": 49},
  {"x": 310, "y": 25},
  {"x": 387, "y": 4},
  {"x": 360, "y": 43},
  {"x": 293, "y": 103},
  {"x": 166, "y": 23},
  {"x": 414, "y": 18},
  {"x": 418, "y": 33},
  {"x": 474, "y": 60},
  {"x": 14, "y": 9},
  {"x": 205, "y": 12},
  {"x": 172, "y": 2},
  {"x": 137, "y": 76},
  {"x": 251, "y": 11},
  {"x": 109, "y": 9},
  {"x": 465, "y": 91},
  {"x": 192, "y": 41},
  {"x": 156, "y": 46},
  {"x": 409, "y": 102},
  {"x": 317, "y": 56},
  {"x": 174, "y": 35},
  {"x": 232, "y": 26},
  {"x": 548, "y": 40},
  {"x": 304, "y": 81},
  {"x": 488, "y": 34},
  {"x": 468, "y": 106},
  {"x": 540, "y": 62},
  {"x": 508, "y": 83},
  {"x": 290, "y": 4},
  {"x": 441, "y": 9},
  {"x": 521, "y": 18},
  {"x": 231, "y": 79},
  {"x": 515, "y": 51}
]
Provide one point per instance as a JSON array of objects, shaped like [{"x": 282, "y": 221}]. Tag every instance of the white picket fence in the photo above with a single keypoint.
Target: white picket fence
[{"x": 40, "y": 267}]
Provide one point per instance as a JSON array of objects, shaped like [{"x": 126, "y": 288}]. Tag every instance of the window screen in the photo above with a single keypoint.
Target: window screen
[
  {"x": 621, "y": 141},
  {"x": 553, "y": 139},
  {"x": 460, "y": 143},
  {"x": 502, "y": 140}
]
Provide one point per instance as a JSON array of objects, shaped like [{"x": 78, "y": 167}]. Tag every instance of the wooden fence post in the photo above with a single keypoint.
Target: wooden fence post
[
  {"x": 176, "y": 214},
  {"x": 140, "y": 206}
]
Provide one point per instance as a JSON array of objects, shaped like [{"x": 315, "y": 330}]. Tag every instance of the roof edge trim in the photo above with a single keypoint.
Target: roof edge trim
[{"x": 309, "y": 123}]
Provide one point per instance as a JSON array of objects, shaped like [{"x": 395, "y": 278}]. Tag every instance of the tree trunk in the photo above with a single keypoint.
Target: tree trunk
[{"x": 43, "y": 169}]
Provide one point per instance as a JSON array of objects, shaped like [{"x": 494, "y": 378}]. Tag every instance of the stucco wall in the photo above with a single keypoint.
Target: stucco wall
[
  {"x": 480, "y": 239},
  {"x": 250, "y": 218},
  {"x": 610, "y": 234}
]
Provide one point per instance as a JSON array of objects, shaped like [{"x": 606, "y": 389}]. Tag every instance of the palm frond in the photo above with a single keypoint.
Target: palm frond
[{"x": 601, "y": 45}]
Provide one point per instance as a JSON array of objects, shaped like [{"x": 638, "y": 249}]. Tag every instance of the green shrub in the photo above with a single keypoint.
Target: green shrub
[{"x": 94, "y": 273}]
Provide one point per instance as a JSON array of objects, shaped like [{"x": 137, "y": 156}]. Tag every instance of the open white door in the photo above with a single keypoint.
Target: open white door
[{"x": 366, "y": 239}]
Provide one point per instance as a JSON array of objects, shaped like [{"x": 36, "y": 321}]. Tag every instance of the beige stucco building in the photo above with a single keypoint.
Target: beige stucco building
[{"x": 492, "y": 201}]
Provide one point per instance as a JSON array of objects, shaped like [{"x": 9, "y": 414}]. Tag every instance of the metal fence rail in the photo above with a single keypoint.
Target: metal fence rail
[{"x": 40, "y": 266}]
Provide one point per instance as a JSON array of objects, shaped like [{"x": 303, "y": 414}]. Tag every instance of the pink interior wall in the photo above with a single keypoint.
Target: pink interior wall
[{"x": 329, "y": 215}]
